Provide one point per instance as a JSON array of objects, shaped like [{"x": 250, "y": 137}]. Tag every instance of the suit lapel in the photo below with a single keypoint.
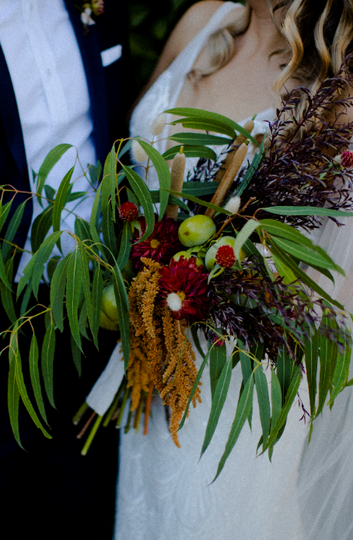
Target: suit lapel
[
  {"x": 91, "y": 58},
  {"x": 10, "y": 119}
]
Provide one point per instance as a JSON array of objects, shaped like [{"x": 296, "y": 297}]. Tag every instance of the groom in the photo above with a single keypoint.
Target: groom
[{"x": 62, "y": 79}]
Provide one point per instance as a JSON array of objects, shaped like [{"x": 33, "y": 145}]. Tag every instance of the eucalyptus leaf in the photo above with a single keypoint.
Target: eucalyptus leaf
[
  {"x": 13, "y": 402},
  {"x": 306, "y": 211},
  {"x": 201, "y": 202},
  {"x": 59, "y": 202},
  {"x": 243, "y": 235},
  {"x": 73, "y": 293},
  {"x": 218, "y": 400},
  {"x": 218, "y": 359},
  {"x": 311, "y": 351},
  {"x": 42, "y": 257},
  {"x": 11, "y": 231},
  {"x": 40, "y": 228},
  {"x": 214, "y": 118},
  {"x": 7, "y": 300},
  {"x": 48, "y": 351},
  {"x": 162, "y": 171},
  {"x": 35, "y": 376},
  {"x": 200, "y": 139},
  {"x": 263, "y": 402},
  {"x": 243, "y": 409},
  {"x": 341, "y": 373},
  {"x": 191, "y": 151},
  {"x": 122, "y": 304},
  {"x": 51, "y": 159},
  {"x": 142, "y": 193},
  {"x": 125, "y": 245},
  {"x": 57, "y": 291}
]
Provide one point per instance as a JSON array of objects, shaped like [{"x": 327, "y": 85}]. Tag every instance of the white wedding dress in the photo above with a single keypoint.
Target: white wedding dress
[{"x": 165, "y": 492}]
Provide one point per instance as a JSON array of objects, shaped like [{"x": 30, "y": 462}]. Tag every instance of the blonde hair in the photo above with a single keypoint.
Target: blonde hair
[{"x": 319, "y": 36}]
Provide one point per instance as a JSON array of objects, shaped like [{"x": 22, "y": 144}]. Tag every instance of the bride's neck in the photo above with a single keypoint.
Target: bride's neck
[{"x": 262, "y": 33}]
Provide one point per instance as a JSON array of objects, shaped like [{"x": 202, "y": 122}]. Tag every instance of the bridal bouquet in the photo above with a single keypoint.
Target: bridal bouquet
[{"x": 222, "y": 251}]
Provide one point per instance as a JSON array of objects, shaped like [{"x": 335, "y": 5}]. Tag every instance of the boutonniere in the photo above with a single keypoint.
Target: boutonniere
[{"x": 89, "y": 10}]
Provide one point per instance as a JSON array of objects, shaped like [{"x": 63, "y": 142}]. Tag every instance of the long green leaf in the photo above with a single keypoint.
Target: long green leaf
[
  {"x": 284, "y": 369},
  {"x": 97, "y": 297},
  {"x": 86, "y": 285},
  {"x": 191, "y": 151},
  {"x": 287, "y": 261},
  {"x": 200, "y": 139},
  {"x": 51, "y": 159},
  {"x": 250, "y": 171},
  {"x": 13, "y": 401},
  {"x": 276, "y": 228},
  {"x": 73, "y": 292},
  {"x": 243, "y": 409},
  {"x": 40, "y": 228},
  {"x": 48, "y": 351},
  {"x": 218, "y": 400},
  {"x": 196, "y": 383},
  {"x": 4, "y": 282},
  {"x": 6, "y": 295},
  {"x": 341, "y": 373},
  {"x": 122, "y": 304},
  {"x": 302, "y": 253},
  {"x": 142, "y": 193},
  {"x": 201, "y": 202},
  {"x": 42, "y": 257},
  {"x": 326, "y": 354},
  {"x": 59, "y": 202},
  {"x": 4, "y": 212},
  {"x": 95, "y": 216},
  {"x": 311, "y": 351},
  {"x": 200, "y": 189},
  {"x": 292, "y": 392},
  {"x": 218, "y": 359},
  {"x": 276, "y": 398},
  {"x": 57, "y": 292},
  {"x": 306, "y": 211},
  {"x": 263, "y": 401},
  {"x": 125, "y": 245},
  {"x": 200, "y": 123},
  {"x": 212, "y": 117},
  {"x": 246, "y": 369},
  {"x": 24, "y": 395},
  {"x": 35, "y": 376},
  {"x": 76, "y": 356},
  {"x": 243, "y": 235},
  {"x": 11, "y": 230},
  {"x": 108, "y": 230},
  {"x": 162, "y": 171}
]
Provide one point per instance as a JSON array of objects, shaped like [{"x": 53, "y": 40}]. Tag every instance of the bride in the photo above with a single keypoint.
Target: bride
[{"x": 233, "y": 60}]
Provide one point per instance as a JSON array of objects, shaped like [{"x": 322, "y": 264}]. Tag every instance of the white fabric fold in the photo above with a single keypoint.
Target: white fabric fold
[{"x": 103, "y": 392}]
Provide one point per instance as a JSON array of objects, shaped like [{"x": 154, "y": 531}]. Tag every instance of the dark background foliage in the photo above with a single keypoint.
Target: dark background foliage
[{"x": 150, "y": 26}]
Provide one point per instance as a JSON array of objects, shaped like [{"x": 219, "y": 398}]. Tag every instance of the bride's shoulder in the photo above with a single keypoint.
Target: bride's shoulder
[{"x": 191, "y": 23}]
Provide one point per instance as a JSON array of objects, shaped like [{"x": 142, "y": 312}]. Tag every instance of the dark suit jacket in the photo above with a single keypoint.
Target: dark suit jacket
[
  {"x": 108, "y": 93},
  {"x": 107, "y": 89}
]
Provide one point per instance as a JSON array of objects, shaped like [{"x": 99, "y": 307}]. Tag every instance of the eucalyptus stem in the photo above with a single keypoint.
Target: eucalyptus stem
[
  {"x": 114, "y": 405},
  {"x": 122, "y": 408},
  {"x": 80, "y": 413},
  {"x": 91, "y": 435}
]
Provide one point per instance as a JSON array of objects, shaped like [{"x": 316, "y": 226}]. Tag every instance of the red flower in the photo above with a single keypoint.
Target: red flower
[
  {"x": 160, "y": 246},
  {"x": 347, "y": 159},
  {"x": 184, "y": 289},
  {"x": 128, "y": 211},
  {"x": 225, "y": 256}
]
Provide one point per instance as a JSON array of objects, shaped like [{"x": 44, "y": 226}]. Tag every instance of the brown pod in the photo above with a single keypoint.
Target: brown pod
[
  {"x": 176, "y": 184},
  {"x": 240, "y": 139},
  {"x": 228, "y": 178}
]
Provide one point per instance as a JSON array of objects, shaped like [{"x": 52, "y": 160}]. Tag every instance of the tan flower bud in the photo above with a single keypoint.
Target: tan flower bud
[
  {"x": 158, "y": 125},
  {"x": 233, "y": 205},
  {"x": 138, "y": 153}
]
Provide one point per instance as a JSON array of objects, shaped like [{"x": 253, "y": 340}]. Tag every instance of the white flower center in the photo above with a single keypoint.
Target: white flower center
[{"x": 174, "y": 302}]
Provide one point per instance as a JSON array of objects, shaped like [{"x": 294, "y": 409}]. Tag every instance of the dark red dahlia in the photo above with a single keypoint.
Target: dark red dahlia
[
  {"x": 347, "y": 159},
  {"x": 160, "y": 246},
  {"x": 128, "y": 211},
  {"x": 225, "y": 256},
  {"x": 184, "y": 289}
]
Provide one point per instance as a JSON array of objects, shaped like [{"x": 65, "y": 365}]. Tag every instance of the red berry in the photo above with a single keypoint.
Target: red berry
[
  {"x": 128, "y": 211},
  {"x": 347, "y": 159},
  {"x": 225, "y": 256}
]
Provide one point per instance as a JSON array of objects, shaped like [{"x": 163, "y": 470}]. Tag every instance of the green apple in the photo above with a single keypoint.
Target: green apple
[
  {"x": 109, "y": 311},
  {"x": 107, "y": 323},
  {"x": 187, "y": 255},
  {"x": 196, "y": 230},
  {"x": 210, "y": 258}
]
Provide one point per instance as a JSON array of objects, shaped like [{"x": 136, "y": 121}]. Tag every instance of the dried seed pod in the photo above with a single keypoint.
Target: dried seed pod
[
  {"x": 176, "y": 184},
  {"x": 158, "y": 124},
  {"x": 240, "y": 139},
  {"x": 138, "y": 153},
  {"x": 228, "y": 178}
]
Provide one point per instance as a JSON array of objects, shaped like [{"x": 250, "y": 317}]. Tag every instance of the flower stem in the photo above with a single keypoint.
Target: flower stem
[
  {"x": 114, "y": 405},
  {"x": 91, "y": 435},
  {"x": 122, "y": 408},
  {"x": 80, "y": 413}
]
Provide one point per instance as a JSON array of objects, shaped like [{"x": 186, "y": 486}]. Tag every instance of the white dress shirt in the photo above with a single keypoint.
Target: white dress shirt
[{"x": 49, "y": 81}]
